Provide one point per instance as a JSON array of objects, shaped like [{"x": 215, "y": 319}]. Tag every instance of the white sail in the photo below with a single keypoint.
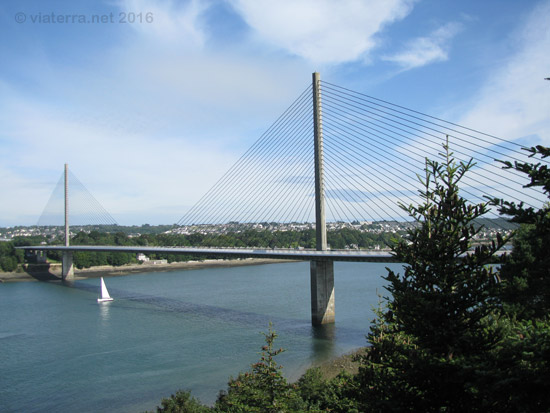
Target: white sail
[{"x": 104, "y": 293}]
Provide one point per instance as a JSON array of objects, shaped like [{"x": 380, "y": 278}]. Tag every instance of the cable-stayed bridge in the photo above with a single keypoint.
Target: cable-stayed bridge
[{"x": 348, "y": 158}]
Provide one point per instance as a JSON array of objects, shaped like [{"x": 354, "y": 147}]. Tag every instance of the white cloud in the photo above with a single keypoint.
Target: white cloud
[
  {"x": 147, "y": 130},
  {"x": 425, "y": 50},
  {"x": 128, "y": 173},
  {"x": 147, "y": 125},
  {"x": 169, "y": 22},
  {"x": 18, "y": 208},
  {"x": 322, "y": 31},
  {"x": 515, "y": 101}
]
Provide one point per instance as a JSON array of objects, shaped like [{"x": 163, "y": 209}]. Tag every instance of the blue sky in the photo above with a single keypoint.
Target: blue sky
[{"x": 150, "y": 114}]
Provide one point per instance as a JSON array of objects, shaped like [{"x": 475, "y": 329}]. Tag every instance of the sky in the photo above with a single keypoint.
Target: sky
[{"x": 150, "y": 102}]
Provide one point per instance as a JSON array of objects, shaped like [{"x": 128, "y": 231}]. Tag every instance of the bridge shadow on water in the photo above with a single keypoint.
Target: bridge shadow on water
[{"x": 322, "y": 336}]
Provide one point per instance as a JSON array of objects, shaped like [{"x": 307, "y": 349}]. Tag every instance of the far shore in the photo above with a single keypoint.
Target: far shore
[{"x": 52, "y": 272}]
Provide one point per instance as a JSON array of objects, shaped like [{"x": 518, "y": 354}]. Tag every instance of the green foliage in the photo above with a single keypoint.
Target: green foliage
[
  {"x": 450, "y": 337},
  {"x": 518, "y": 370},
  {"x": 428, "y": 343},
  {"x": 525, "y": 290},
  {"x": 182, "y": 402},
  {"x": 264, "y": 389},
  {"x": 335, "y": 395},
  {"x": 10, "y": 258},
  {"x": 8, "y": 263},
  {"x": 444, "y": 291},
  {"x": 539, "y": 175}
]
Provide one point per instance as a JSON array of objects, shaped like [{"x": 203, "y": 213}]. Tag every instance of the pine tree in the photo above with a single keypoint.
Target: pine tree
[
  {"x": 264, "y": 389},
  {"x": 525, "y": 291},
  {"x": 182, "y": 402},
  {"x": 428, "y": 344},
  {"x": 521, "y": 366}
]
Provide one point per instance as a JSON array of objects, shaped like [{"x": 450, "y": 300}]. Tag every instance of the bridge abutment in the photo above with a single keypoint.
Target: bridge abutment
[{"x": 322, "y": 292}]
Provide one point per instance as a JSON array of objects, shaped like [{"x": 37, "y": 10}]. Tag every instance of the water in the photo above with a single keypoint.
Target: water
[{"x": 61, "y": 351}]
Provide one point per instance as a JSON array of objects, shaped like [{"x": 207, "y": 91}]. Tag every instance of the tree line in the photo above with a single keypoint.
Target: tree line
[
  {"x": 453, "y": 333},
  {"x": 338, "y": 239},
  {"x": 10, "y": 258}
]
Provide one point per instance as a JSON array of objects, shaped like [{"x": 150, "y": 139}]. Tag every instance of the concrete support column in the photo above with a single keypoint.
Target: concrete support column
[
  {"x": 66, "y": 205},
  {"x": 320, "y": 224},
  {"x": 322, "y": 292},
  {"x": 67, "y": 269},
  {"x": 322, "y": 272}
]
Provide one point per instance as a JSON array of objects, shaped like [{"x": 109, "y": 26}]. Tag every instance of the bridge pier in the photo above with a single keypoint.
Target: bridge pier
[
  {"x": 322, "y": 292},
  {"x": 322, "y": 271},
  {"x": 67, "y": 268}
]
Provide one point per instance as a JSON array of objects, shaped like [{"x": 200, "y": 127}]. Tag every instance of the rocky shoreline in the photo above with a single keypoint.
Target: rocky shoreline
[{"x": 52, "y": 272}]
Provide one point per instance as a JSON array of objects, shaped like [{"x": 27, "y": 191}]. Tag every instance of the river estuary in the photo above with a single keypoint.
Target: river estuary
[{"x": 64, "y": 352}]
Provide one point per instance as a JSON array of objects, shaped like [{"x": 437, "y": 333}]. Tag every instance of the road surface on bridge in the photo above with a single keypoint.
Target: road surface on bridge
[{"x": 278, "y": 253}]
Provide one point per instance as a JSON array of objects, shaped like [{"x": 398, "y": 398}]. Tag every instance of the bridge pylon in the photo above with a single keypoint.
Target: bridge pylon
[
  {"x": 322, "y": 272},
  {"x": 67, "y": 269}
]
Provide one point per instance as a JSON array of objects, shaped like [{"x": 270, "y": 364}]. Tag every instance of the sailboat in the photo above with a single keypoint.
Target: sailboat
[{"x": 104, "y": 297}]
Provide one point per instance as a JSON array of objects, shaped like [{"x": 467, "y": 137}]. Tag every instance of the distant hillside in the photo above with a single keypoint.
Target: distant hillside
[
  {"x": 499, "y": 224},
  {"x": 496, "y": 223}
]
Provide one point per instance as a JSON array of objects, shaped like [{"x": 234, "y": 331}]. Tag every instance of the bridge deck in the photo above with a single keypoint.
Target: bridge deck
[{"x": 290, "y": 254}]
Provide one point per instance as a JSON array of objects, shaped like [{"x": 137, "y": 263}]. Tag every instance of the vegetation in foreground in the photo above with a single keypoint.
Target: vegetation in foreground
[{"x": 454, "y": 334}]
